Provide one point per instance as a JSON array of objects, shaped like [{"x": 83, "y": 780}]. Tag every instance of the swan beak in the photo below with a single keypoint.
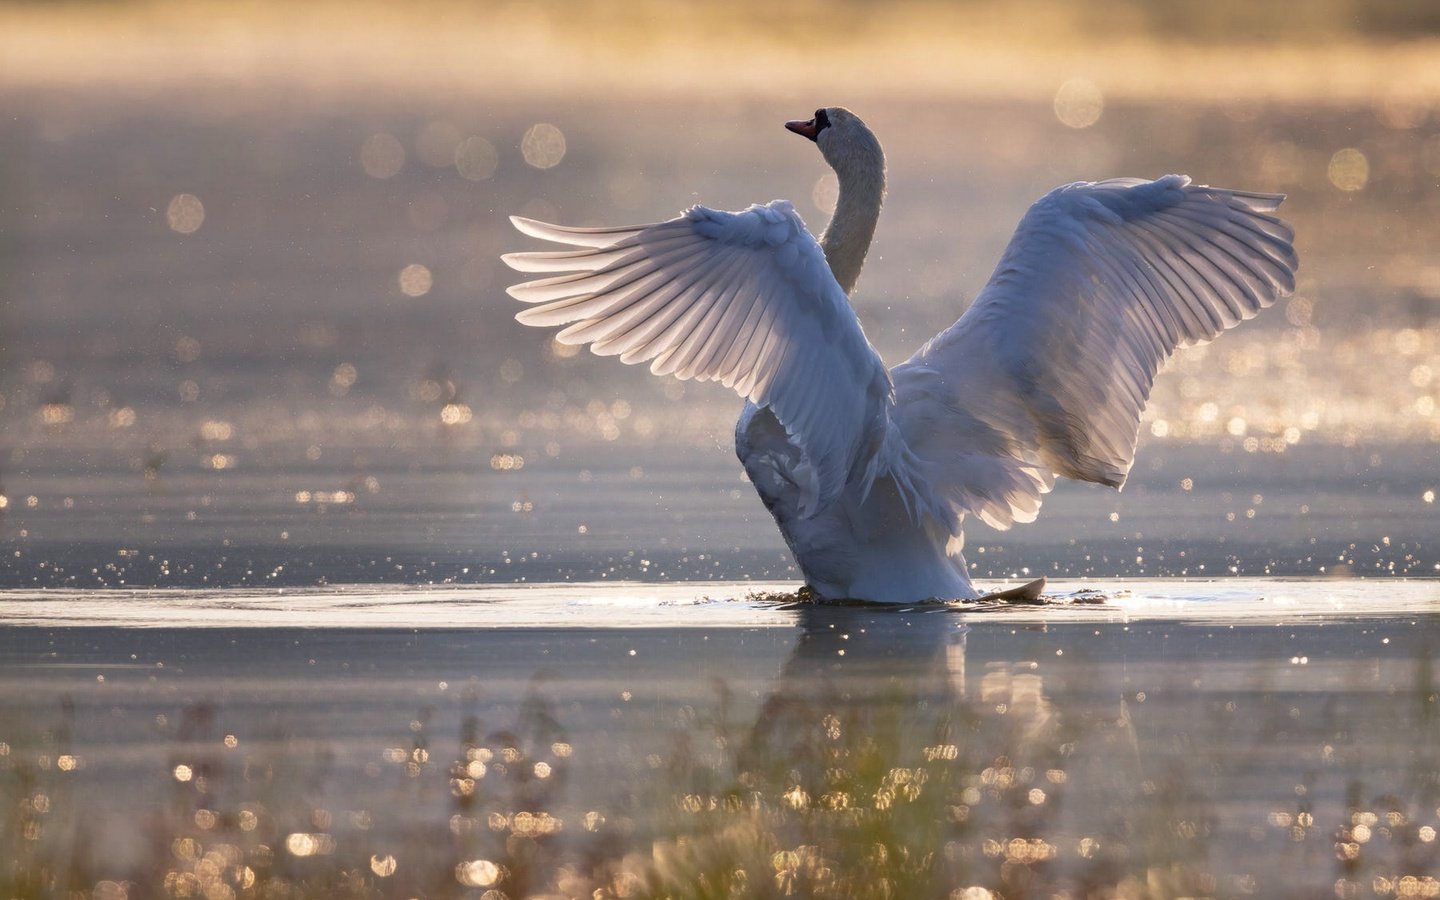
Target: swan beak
[{"x": 804, "y": 129}]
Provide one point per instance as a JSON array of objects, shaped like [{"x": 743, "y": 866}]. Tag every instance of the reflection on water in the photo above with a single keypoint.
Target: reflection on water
[{"x": 849, "y": 752}]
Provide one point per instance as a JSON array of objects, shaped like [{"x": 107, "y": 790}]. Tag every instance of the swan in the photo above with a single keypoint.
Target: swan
[{"x": 870, "y": 471}]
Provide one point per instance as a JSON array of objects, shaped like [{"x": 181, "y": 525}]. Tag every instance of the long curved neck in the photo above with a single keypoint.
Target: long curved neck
[{"x": 847, "y": 240}]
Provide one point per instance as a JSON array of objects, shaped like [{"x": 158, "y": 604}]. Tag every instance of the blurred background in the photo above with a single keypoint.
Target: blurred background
[{"x": 253, "y": 327}]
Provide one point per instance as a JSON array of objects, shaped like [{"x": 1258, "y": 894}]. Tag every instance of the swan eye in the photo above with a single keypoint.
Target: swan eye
[{"x": 822, "y": 120}]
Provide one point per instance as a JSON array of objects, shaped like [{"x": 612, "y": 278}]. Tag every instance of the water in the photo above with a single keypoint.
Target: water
[
  {"x": 1234, "y": 738},
  {"x": 260, "y": 402},
  {"x": 319, "y": 576}
]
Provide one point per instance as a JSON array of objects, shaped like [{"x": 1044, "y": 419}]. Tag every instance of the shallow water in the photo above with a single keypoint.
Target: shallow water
[
  {"x": 716, "y": 604},
  {"x": 1254, "y": 737}
]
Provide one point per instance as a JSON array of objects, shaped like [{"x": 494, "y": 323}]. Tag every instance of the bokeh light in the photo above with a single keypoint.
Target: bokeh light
[
  {"x": 310, "y": 844},
  {"x": 826, "y": 192},
  {"x": 382, "y": 155},
  {"x": 185, "y": 213},
  {"x": 1349, "y": 170},
  {"x": 543, "y": 146},
  {"x": 383, "y": 866},
  {"x": 476, "y": 159},
  {"x": 477, "y": 873},
  {"x": 1079, "y": 103},
  {"x": 415, "y": 280}
]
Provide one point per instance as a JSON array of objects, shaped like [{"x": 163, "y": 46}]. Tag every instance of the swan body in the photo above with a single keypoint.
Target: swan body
[{"x": 868, "y": 471}]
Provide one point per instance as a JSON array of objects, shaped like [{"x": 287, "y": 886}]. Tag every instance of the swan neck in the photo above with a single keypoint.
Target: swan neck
[{"x": 847, "y": 240}]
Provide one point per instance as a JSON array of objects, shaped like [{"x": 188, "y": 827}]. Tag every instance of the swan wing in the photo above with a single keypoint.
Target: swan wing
[
  {"x": 1048, "y": 370},
  {"x": 742, "y": 298}
]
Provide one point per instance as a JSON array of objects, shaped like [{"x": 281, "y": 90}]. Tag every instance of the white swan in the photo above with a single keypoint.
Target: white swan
[{"x": 869, "y": 472}]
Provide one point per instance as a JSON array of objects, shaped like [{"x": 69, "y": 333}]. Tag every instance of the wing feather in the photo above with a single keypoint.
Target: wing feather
[
  {"x": 1048, "y": 371},
  {"x": 683, "y": 351},
  {"x": 674, "y": 302},
  {"x": 631, "y": 300},
  {"x": 728, "y": 297},
  {"x": 610, "y": 280},
  {"x": 1206, "y": 264},
  {"x": 564, "y": 260},
  {"x": 604, "y": 236}
]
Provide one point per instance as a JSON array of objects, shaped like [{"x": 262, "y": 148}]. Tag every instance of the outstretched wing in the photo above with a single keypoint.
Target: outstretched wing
[
  {"x": 1047, "y": 372},
  {"x": 745, "y": 299}
]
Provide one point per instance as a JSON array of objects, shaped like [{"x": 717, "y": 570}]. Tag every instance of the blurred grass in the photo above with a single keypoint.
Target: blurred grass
[
  {"x": 1327, "y": 51},
  {"x": 882, "y": 779}
]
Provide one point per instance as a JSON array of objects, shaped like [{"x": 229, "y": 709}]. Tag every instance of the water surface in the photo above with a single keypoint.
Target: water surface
[{"x": 1235, "y": 738}]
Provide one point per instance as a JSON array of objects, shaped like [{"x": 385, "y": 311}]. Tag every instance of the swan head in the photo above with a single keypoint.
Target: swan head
[{"x": 844, "y": 140}]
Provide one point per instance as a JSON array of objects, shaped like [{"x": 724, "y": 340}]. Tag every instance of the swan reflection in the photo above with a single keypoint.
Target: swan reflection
[
  {"x": 867, "y": 752},
  {"x": 886, "y": 760}
]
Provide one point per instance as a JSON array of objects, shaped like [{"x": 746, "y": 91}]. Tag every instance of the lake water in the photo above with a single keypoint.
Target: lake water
[
  {"x": 259, "y": 401},
  {"x": 321, "y": 577},
  {"x": 1246, "y": 737}
]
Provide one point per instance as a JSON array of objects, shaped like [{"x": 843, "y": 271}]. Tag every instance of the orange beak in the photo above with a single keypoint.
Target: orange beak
[{"x": 804, "y": 129}]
